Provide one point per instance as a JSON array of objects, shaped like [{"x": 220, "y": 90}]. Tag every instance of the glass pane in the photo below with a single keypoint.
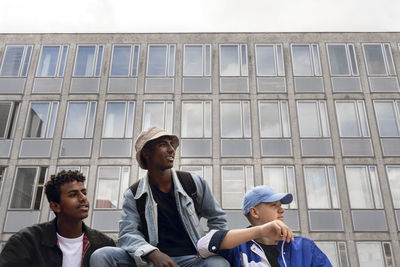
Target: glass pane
[
  {"x": 124, "y": 185},
  {"x": 99, "y": 60},
  {"x": 329, "y": 249},
  {"x": 193, "y": 61},
  {"x": 394, "y": 181},
  {"x": 244, "y": 60},
  {"x": 114, "y": 122},
  {"x": 229, "y": 64},
  {"x": 23, "y": 188},
  {"x": 37, "y": 120},
  {"x": 334, "y": 188},
  {"x": 168, "y": 116},
  {"x": 207, "y": 61},
  {"x": 265, "y": 60},
  {"x": 90, "y": 124},
  {"x": 26, "y": 60},
  {"x": 279, "y": 56},
  {"x": 121, "y": 60},
  {"x": 171, "y": 65},
  {"x": 388, "y": 254},
  {"x": 338, "y": 59},
  {"x": 85, "y": 61},
  {"x": 48, "y": 61},
  {"x": 386, "y": 117},
  {"x": 317, "y": 188},
  {"x": 308, "y": 119},
  {"x": 389, "y": 59},
  {"x": 76, "y": 120},
  {"x": 153, "y": 114},
  {"x": 5, "y": 109},
  {"x": 291, "y": 186},
  {"x": 157, "y": 61},
  {"x": 12, "y": 60},
  {"x": 246, "y": 119},
  {"x": 192, "y": 119},
  {"x": 53, "y": 117},
  {"x": 63, "y": 59},
  {"x": 353, "y": 60},
  {"x": 135, "y": 60},
  {"x": 347, "y": 119},
  {"x": 363, "y": 118},
  {"x": 324, "y": 119},
  {"x": 270, "y": 125},
  {"x": 374, "y": 59},
  {"x": 107, "y": 196},
  {"x": 302, "y": 65},
  {"x": 231, "y": 125},
  {"x": 317, "y": 67},
  {"x": 285, "y": 119},
  {"x": 275, "y": 178},
  {"x": 130, "y": 120},
  {"x": 207, "y": 119},
  {"x": 343, "y": 254},
  {"x": 376, "y": 189},
  {"x": 359, "y": 188},
  {"x": 370, "y": 254}
]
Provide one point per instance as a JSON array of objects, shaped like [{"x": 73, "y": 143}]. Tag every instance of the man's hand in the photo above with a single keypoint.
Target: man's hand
[
  {"x": 276, "y": 230},
  {"x": 160, "y": 259}
]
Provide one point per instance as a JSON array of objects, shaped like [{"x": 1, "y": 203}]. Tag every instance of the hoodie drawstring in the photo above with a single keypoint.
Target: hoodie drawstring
[{"x": 283, "y": 258}]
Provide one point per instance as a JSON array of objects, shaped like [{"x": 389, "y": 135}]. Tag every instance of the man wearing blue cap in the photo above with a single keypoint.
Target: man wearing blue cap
[{"x": 269, "y": 242}]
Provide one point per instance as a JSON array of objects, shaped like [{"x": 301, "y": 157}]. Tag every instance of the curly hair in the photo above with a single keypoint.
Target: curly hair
[{"x": 52, "y": 187}]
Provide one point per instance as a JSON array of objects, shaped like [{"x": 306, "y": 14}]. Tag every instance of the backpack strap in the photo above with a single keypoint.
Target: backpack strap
[
  {"x": 140, "y": 206},
  {"x": 186, "y": 180}
]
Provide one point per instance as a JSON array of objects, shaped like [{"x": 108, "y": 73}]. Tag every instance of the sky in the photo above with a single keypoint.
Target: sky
[{"x": 153, "y": 16}]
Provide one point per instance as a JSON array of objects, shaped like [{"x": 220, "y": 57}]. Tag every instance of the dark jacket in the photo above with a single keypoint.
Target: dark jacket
[{"x": 36, "y": 246}]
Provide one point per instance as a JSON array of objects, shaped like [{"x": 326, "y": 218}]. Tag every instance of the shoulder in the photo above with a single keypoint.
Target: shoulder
[{"x": 98, "y": 238}]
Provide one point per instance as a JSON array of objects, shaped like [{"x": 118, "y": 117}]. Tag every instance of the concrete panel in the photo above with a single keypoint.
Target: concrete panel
[
  {"x": 325, "y": 220},
  {"x": 197, "y": 85},
  {"x": 35, "y": 148},
  {"x": 271, "y": 85},
  {"x": 357, "y": 147},
  {"x": 309, "y": 84},
  {"x": 5, "y": 148},
  {"x": 196, "y": 147},
  {"x": 85, "y": 85},
  {"x": 384, "y": 84},
  {"x": 106, "y": 220},
  {"x": 236, "y": 148},
  {"x": 346, "y": 84},
  {"x": 16, "y": 220},
  {"x": 115, "y": 148},
  {"x": 391, "y": 147},
  {"x": 122, "y": 85},
  {"x": 292, "y": 219},
  {"x": 369, "y": 220},
  {"x": 234, "y": 85},
  {"x": 76, "y": 148},
  {"x": 159, "y": 85},
  {"x": 47, "y": 85},
  {"x": 276, "y": 147},
  {"x": 12, "y": 85},
  {"x": 316, "y": 147}
]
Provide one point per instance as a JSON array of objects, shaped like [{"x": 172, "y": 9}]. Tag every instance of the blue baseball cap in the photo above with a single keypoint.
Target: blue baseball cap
[{"x": 261, "y": 194}]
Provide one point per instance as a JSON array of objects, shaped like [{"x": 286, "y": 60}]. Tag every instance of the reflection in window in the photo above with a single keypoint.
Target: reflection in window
[
  {"x": 281, "y": 178},
  {"x": 41, "y": 119},
  {"x": 363, "y": 187},
  {"x": 112, "y": 181},
  {"x": 196, "y": 119},
  {"x": 118, "y": 119},
  {"x": 52, "y": 61},
  {"x": 306, "y": 60},
  {"x": 235, "y": 119},
  {"x": 321, "y": 186},
  {"x": 197, "y": 60},
  {"x": 236, "y": 181},
  {"x": 124, "y": 62},
  {"x": 158, "y": 113},
  {"x": 79, "y": 121},
  {"x": 88, "y": 61},
  {"x": 379, "y": 60},
  {"x": 393, "y": 173},
  {"x": 16, "y": 60},
  {"x": 202, "y": 171},
  {"x": 274, "y": 119},
  {"x": 233, "y": 60},
  {"x": 161, "y": 60},
  {"x": 335, "y": 251},
  {"x": 269, "y": 60},
  {"x": 342, "y": 59},
  {"x": 375, "y": 254},
  {"x": 8, "y": 118},
  {"x": 388, "y": 117},
  {"x": 28, "y": 188},
  {"x": 313, "y": 118},
  {"x": 352, "y": 118}
]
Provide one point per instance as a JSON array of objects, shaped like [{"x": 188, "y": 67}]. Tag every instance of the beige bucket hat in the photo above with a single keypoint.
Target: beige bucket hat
[{"x": 151, "y": 133}]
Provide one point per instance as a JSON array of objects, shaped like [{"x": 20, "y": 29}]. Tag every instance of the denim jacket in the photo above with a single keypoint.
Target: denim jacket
[{"x": 133, "y": 241}]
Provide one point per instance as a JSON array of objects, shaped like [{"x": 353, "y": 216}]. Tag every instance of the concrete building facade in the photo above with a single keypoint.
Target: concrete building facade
[{"x": 315, "y": 114}]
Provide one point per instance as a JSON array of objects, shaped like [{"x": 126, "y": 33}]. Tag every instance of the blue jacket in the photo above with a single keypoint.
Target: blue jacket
[
  {"x": 302, "y": 252},
  {"x": 132, "y": 240}
]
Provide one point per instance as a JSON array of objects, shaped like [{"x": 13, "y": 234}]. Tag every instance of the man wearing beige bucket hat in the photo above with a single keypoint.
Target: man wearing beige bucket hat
[{"x": 161, "y": 212}]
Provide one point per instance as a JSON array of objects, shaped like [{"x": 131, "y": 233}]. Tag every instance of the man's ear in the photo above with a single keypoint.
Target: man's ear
[
  {"x": 56, "y": 207},
  {"x": 254, "y": 213}
]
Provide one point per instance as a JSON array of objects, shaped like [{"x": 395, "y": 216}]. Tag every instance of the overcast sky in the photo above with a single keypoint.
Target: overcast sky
[{"x": 20, "y": 16}]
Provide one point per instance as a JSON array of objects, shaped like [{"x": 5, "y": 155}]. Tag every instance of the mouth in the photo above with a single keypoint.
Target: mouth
[{"x": 84, "y": 207}]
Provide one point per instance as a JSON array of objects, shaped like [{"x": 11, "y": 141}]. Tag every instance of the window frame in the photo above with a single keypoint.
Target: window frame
[
  {"x": 12, "y": 119},
  {"x": 127, "y": 118},
  {"x": 87, "y": 119},
  {"x": 396, "y": 204},
  {"x": 204, "y": 104},
  {"x": 243, "y": 134},
  {"x": 349, "y": 60},
  {"x": 50, "y": 124},
  {"x": 248, "y": 182},
  {"x": 96, "y": 68},
  {"x": 204, "y": 60},
  {"x": 133, "y": 61},
  {"x": 321, "y": 111},
  {"x": 364, "y": 131},
  {"x": 243, "y": 68},
  {"x": 386, "y": 62},
  {"x": 313, "y": 63},
  {"x": 168, "y": 117},
  {"x": 282, "y": 104},
  {"x": 169, "y": 71},
  {"x": 24, "y": 64},
  {"x": 278, "y": 60},
  {"x": 61, "y": 60},
  {"x": 395, "y": 104}
]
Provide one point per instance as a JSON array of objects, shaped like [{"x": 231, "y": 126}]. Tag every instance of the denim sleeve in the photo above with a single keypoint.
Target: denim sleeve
[
  {"x": 130, "y": 238},
  {"x": 209, "y": 208}
]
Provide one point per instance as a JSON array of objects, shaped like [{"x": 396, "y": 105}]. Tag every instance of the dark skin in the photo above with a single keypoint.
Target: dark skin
[
  {"x": 71, "y": 210},
  {"x": 159, "y": 157}
]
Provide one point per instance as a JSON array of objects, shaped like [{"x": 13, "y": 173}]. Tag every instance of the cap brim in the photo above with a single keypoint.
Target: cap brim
[{"x": 285, "y": 198}]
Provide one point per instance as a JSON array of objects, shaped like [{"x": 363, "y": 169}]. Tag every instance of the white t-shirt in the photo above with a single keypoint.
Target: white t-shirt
[{"x": 72, "y": 250}]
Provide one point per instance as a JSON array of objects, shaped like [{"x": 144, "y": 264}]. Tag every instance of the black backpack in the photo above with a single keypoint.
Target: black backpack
[{"x": 186, "y": 180}]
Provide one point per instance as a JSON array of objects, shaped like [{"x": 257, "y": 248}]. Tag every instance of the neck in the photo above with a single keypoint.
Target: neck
[
  {"x": 267, "y": 241},
  {"x": 69, "y": 228},
  {"x": 161, "y": 178}
]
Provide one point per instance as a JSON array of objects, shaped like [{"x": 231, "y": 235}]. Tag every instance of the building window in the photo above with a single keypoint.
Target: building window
[
  {"x": 393, "y": 173},
  {"x": 158, "y": 113},
  {"x": 112, "y": 181},
  {"x": 269, "y": 60},
  {"x": 388, "y": 117},
  {"x": 377, "y": 254},
  {"x": 274, "y": 119},
  {"x": 379, "y": 60},
  {"x": 342, "y": 60},
  {"x": 233, "y": 60},
  {"x": 41, "y": 120},
  {"x": 305, "y": 59},
  {"x": 16, "y": 60},
  {"x": 28, "y": 188},
  {"x": 282, "y": 179},
  {"x": 363, "y": 187},
  {"x": 235, "y": 119},
  {"x": 196, "y": 119},
  {"x": 52, "y": 61},
  {"x": 197, "y": 60},
  {"x": 8, "y": 118},
  {"x": 202, "y": 171},
  {"x": 88, "y": 61},
  {"x": 321, "y": 186},
  {"x": 124, "y": 62},
  {"x": 119, "y": 119},
  {"x": 335, "y": 251},
  {"x": 352, "y": 118},
  {"x": 236, "y": 181},
  {"x": 80, "y": 118},
  {"x": 161, "y": 60},
  {"x": 313, "y": 118}
]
